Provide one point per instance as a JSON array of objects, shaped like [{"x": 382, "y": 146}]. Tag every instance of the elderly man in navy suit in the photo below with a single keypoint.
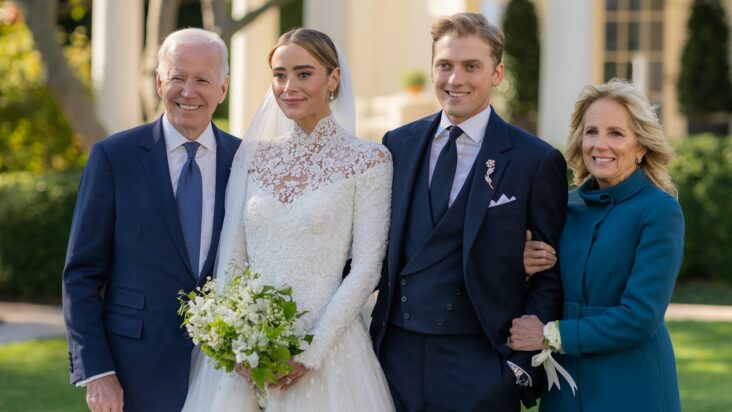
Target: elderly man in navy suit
[
  {"x": 146, "y": 225},
  {"x": 467, "y": 187}
]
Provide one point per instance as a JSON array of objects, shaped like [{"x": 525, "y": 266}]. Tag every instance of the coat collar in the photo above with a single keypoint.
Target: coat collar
[{"x": 614, "y": 194}]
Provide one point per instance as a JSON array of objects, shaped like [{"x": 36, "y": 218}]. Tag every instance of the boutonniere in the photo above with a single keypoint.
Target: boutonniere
[{"x": 491, "y": 164}]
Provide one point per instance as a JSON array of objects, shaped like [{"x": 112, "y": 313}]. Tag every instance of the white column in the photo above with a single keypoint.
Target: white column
[
  {"x": 250, "y": 76},
  {"x": 566, "y": 66},
  {"x": 115, "y": 69}
]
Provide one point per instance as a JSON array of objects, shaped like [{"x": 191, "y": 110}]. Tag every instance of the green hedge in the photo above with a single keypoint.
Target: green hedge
[
  {"x": 34, "y": 230},
  {"x": 702, "y": 171}
]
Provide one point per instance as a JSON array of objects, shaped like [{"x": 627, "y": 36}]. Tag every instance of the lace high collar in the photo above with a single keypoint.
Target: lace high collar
[{"x": 326, "y": 128}]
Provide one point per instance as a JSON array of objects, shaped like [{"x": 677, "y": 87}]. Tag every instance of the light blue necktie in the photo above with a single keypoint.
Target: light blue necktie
[{"x": 190, "y": 203}]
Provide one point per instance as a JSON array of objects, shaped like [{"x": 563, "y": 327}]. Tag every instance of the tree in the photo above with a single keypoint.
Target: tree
[
  {"x": 704, "y": 81},
  {"x": 522, "y": 52},
  {"x": 72, "y": 95}
]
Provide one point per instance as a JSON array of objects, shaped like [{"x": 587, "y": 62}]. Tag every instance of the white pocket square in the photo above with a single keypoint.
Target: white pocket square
[{"x": 501, "y": 201}]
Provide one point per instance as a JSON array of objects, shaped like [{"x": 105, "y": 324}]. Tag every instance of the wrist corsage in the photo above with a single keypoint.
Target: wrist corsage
[{"x": 553, "y": 341}]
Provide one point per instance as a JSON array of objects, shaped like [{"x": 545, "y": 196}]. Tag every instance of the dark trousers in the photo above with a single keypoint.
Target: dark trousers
[{"x": 441, "y": 373}]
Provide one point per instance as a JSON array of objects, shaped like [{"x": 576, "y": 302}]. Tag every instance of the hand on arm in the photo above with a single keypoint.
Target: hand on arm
[
  {"x": 538, "y": 256},
  {"x": 527, "y": 334}
]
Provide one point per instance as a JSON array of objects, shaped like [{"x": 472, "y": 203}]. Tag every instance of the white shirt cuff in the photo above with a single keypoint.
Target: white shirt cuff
[{"x": 95, "y": 377}]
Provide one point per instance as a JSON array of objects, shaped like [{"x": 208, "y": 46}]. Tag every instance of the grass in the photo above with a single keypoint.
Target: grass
[{"x": 34, "y": 375}]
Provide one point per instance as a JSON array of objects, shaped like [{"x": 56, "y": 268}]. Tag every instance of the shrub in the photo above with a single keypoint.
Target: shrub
[
  {"x": 34, "y": 133},
  {"x": 702, "y": 171},
  {"x": 34, "y": 232}
]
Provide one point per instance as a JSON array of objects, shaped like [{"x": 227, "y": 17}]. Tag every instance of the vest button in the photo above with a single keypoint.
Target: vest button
[
  {"x": 448, "y": 306},
  {"x": 406, "y": 316},
  {"x": 440, "y": 322},
  {"x": 403, "y": 282},
  {"x": 404, "y": 299}
]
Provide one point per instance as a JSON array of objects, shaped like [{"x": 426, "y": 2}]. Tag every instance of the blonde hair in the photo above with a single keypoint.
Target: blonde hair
[
  {"x": 316, "y": 43},
  {"x": 469, "y": 24},
  {"x": 644, "y": 122}
]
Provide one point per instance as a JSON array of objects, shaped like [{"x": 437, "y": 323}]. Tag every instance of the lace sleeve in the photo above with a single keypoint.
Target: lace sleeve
[{"x": 370, "y": 230}]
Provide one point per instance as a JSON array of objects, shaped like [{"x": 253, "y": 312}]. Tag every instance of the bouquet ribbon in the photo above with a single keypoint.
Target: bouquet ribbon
[{"x": 551, "y": 366}]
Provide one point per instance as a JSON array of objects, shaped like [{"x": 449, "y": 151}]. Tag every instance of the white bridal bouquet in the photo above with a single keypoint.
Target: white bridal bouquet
[{"x": 246, "y": 322}]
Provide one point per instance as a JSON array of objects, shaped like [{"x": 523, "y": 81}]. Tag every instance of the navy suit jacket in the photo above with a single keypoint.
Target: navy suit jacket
[
  {"x": 526, "y": 168},
  {"x": 126, "y": 262}
]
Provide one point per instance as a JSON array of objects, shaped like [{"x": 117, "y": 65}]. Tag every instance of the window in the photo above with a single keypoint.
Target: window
[{"x": 631, "y": 27}]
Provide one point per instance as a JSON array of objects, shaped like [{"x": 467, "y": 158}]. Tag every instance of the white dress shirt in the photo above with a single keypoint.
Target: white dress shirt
[
  {"x": 468, "y": 146},
  {"x": 206, "y": 160}
]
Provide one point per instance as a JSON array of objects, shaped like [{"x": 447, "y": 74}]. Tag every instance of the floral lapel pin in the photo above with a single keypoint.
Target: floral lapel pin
[{"x": 491, "y": 164}]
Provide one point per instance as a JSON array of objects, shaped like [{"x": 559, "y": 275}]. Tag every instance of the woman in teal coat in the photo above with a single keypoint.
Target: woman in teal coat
[{"x": 619, "y": 253}]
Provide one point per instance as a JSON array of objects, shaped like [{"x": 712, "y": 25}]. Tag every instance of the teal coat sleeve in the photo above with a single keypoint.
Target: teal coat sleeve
[{"x": 643, "y": 303}]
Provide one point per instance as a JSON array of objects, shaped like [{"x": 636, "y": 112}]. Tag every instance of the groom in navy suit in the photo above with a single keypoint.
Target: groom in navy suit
[
  {"x": 146, "y": 225},
  {"x": 467, "y": 186}
]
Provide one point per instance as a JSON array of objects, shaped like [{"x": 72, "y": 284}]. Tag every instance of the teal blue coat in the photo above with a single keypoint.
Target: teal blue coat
[{"x": 620, "y": 253}]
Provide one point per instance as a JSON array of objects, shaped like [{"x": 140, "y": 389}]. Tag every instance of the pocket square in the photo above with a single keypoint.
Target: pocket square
[{"x": 501, "y": 201}]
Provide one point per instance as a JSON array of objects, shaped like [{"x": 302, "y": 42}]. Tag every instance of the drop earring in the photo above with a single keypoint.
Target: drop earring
[{"x": 331, "y": 97}]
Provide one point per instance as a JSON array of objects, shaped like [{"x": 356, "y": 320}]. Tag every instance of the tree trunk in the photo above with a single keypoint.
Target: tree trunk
[
  {"x": 161, "y": 21},
  {"x": 217, "y": 18},
  {"x": 71, "y": 94}
]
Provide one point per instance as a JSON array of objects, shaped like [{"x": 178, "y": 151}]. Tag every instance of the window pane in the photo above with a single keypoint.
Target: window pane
[
  {"x": 655, "y": 76},
  {"x": 635, "y": 5},
  {"x": 611, "y": 5},
  {"x": 657, "y": 4},
  {"x": 611, "y": 36},
  {"x": 634, "y": 36},
  {"x": 656, "y": 36},
  {"x": 628, "y": 75},
  {"x": 610, "y": 71}
]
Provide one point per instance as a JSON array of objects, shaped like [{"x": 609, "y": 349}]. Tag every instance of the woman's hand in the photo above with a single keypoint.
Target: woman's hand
[
  {"x": 538, "y": 256},
  {"x": 297, "y": 372},
  {"x": 243, "y": 372},
  {"x": 527, "y": 334}
]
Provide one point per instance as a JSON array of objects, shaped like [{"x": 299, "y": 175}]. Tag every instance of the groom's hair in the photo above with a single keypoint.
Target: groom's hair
[{"x": 469, "y": 24}]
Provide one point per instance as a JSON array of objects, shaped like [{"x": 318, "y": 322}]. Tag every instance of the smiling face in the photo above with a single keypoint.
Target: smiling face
[
  {"x": 464, "y": 74},
  {"x": 301, "y": 85},
  {"x": 191, "y": 86},
  {"x": 610, "y": 147}
]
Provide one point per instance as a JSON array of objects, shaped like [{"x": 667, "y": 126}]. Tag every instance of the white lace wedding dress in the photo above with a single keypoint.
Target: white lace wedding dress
[{"x": 311, "y": 200}]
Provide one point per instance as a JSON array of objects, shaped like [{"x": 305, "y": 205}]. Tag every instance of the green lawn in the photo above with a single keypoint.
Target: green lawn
[{"x": 34, "y": 375}]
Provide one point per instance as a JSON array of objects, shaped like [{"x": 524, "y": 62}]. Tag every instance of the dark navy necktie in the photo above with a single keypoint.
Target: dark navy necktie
[
  {"x": 443, "y": 176},
  {"x": 190, "y": 203}
]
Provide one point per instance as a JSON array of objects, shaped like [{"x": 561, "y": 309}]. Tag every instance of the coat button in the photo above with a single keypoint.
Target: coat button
[
  {"x": 404, "y": 299},
  {"x": 440, "y": 322},
  {"x": 448, "y": 306},
  {"x": 383, "y": 323},
  {"x": 403, "y": 282},
  {"x": 457, "y": 292},
  {"x": 406, "y": 316}
]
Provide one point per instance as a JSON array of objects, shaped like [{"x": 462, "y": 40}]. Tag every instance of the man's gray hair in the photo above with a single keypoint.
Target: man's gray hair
[{"x": 194, "y": 35}]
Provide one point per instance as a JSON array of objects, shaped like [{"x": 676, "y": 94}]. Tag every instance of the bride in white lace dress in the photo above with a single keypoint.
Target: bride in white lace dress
[{"x": 303, "y": 196}]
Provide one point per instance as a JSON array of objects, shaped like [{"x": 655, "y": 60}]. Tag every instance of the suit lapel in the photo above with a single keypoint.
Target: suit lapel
[
  {"x": 155, "y": 163},
  {"x": 224, "y": 155},
  {"x": 495, "y": 142},
  {"x": 411, "y": 152}
]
